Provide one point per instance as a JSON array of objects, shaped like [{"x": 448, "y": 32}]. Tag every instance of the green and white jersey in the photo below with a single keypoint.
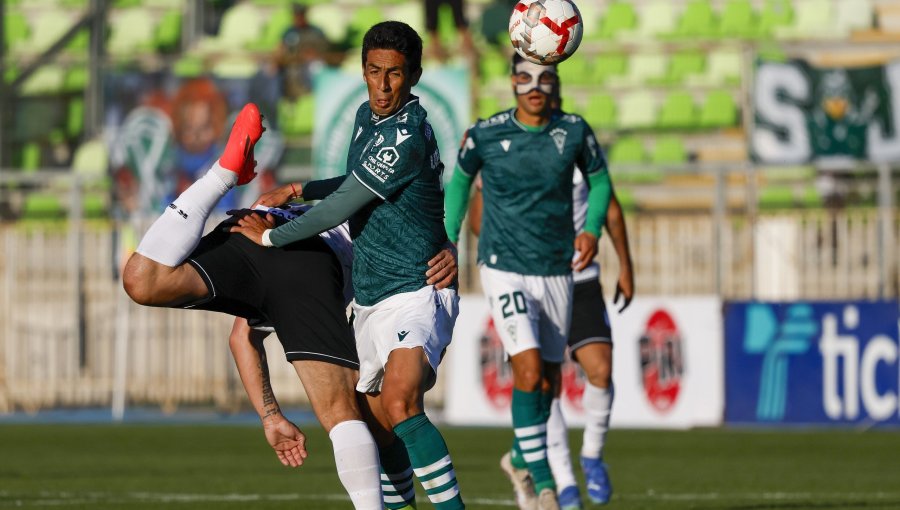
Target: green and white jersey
[
  {"x": 527, "y": 188},
  {"x": 397, "y": 158}
]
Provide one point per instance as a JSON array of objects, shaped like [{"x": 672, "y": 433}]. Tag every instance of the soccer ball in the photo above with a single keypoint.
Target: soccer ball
[{"x": 545, "y": 31}]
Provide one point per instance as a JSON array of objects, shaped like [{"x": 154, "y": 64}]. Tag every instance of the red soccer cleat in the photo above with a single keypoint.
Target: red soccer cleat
[{"x": 238, "y": 154}]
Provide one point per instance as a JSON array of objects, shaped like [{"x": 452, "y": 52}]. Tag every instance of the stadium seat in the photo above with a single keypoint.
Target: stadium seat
[
  {"x": 332, "y": 19},
  {"x": 296, "y": 118},
  {"x": 723, "y": 67},
  {"x": 188, "y": 67},
  {"x": 91, "y": 159},
  {"x": 76, "y": 79},
  {"x": 494, "y": 67},
  {"x": 131, "y": 32},
  {"x": 812, "y": 20},
  {"x": 46, "y": 29},
  {"x": 235, "y": 67},
  {"x": 678, "y": 111},
  {"x": 669, "y": 150},
  {"x": 573, "y": 104},
  {"x": 775, "y": 197},
  {"x": 168, "y": 32},
  {"x": 413, "y": 14},
  {"x": 637, "y": 110},
  {"x": 48, "y": 79},
  {"x": 719, "y": 110},
  {"x": 618, "y": 17},
  {"x": 852, "y": 15},
  {"x": 31, "y": 157},
  {"x": 738, "y": 20},
  {"x": 15, "y": 29},
  {"x": 43, "y": 206},
  {"x": 643, "y": 68},
  {"x": 487, "y": 106},
  {"x": 575, "y": 70},
  {"x": 682, "y": 64},
  {"x": 697, "y": 22},
  {"x": 774, "y": 15},
  {"x": 279, "y": 21},
  {"x": 75, "y": 118},
  {"x": 364, "y": 17},
  {"x": 657, "y": 19},
  {"x": 608, "y": 65},
  {"x": 627, "y": 151},
  {"x": 601, "y": 111},
  {"x": 241, "y": 26}
]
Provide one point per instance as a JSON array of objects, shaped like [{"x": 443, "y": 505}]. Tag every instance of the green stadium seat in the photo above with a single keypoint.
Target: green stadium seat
[
  {"x": 131, "y": 33},
  {"x": 487, "y": 106},
  {"x": 91, "y": 162},
  {"x": 168, "y": 32},
  {"x": 48, "y": 79},
  {"x": 643, "y": 68},
  {"x": 575, "y": 70},
  {"x": 165, "y": 4},
  {"x": 657, "y": 19},
  {"x": 46, "y": 29},
  {"x": 76, "y": 79},
  {"x": 279, "y": 21},
  {"x": 723, "y": 67},
  {"x": 572, "y": 104},
  {"x": 332, "y": 19},
  {"x": 362, "y": 19},
  {"x": 678, "y": 111},
  {"x": 811, "y": 197},
  {"x": 669, "y": 150},
  {"x": 601, "y": 111},
  {"x": 15, "y": 29},
  {"x": 188, "y": 67},
  {"x": 682, "y": 64},
  {"x": 776, "y": 197},
  {"x": 75, "y": 118},
  {"x": 31, "y": 157},
  {"x": 619, "y": 17},
  {"x": 852, "y": 15},
  {"x": 697, "y": 22},
  {"x": 719, "y": 110},
  {"x": 775, "y": 14},
  {"x": 296, "y": 118},
  {"x": 413, "y": 14},
  {"x": 637, "y": 110},
  {"x": 235, "y": 67},
  {"x": 241, "y": 26},
  {"x": 627, "y": 151},
  {"x": 608, "y": 65},
  {"x": 43, "y": 206},
  {"x": 812, "y": 20},
  {"x": 738, "y": 20}
]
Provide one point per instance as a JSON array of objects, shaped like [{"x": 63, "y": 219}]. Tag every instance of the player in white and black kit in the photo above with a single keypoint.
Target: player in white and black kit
[{"x": 298, "y": 289}]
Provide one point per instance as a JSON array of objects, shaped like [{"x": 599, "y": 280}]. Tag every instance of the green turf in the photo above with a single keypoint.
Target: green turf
[{"x": 222, "y": 467}]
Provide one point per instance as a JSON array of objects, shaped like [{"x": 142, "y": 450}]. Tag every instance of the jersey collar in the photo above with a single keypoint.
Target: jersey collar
[
  {"x": 376, "y": 119},
  {"x": 531, "y": 129}
]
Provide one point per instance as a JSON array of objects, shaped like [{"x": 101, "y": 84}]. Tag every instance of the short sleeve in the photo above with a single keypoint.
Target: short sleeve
[
  {"x": 590, "y": 157},
  {"x": 469, "y": 157},
  {"x": 394, "y": 157}
]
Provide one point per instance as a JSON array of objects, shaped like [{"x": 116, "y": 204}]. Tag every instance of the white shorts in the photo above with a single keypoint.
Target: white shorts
[
  {"x": 530, "y": 312},
  {"x": 424, "y": 318}
]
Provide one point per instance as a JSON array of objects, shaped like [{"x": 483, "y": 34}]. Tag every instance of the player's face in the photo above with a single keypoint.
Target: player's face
[
  {"x": 534, "y": 85},
  {"x": 388, "y": 79}
]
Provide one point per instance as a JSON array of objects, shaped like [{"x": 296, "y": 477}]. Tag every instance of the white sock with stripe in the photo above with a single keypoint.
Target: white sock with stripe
[
  {"x": 597, "y": 403},
  {"x": 175, "y": 234},
  {"x": 558, "y": 454},
  {"x": 356, "y": 458}
]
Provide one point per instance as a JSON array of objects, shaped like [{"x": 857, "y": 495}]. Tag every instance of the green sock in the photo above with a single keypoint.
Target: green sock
[
  {"x": 396, "y": 476},
  {"x": 430, "y": 461},
  {"x": 530, "y": 427},
  {"x": 516, "y": 458}
]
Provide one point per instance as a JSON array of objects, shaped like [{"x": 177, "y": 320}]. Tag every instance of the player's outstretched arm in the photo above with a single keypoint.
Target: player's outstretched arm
[
  {"x": 311, "y": 190},
  {"x": 249, "y": 355},
  {"x": 615, "y": 225}
]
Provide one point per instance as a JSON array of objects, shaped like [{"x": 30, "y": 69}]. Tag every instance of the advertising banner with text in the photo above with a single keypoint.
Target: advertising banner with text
[
  {"x": 812, "y": 362},
  {"x": 667, "y": 366}
]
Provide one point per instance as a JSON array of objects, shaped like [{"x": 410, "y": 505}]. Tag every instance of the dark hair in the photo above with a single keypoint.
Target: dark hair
[
  {"x": 395, "y": 35},
  {"x": 518, "y": 59}
]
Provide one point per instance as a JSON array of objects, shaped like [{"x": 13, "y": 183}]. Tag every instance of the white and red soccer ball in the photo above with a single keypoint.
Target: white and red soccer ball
[{"x": 545, "y": 31}]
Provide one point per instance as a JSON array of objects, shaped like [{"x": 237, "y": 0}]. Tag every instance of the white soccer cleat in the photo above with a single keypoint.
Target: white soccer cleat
[
  {"x": 547, "y": 500},
  {"x": 523, "y": 486}
]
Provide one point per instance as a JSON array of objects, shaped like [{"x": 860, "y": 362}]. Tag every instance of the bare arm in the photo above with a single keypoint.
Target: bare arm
[
  {"x": 249, "y": 355},
  {"x": 615, "y": 225}
]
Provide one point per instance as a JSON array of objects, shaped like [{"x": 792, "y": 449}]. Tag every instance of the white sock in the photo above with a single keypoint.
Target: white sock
[
  {"x": 175, "y": 234},
  {"x": 597, "y": 403},
  {"x": 558, "y": 448},
  {"x": 356, "y": 457}
]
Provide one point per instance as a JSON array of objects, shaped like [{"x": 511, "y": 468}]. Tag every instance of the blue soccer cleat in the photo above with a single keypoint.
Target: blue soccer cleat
[
  {"x": 599, "y": 488},
  {"x": 570, "y": 498}
]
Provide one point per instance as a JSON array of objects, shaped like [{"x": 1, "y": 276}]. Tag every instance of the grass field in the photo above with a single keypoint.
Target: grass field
[{"x": 223, "y": 467}]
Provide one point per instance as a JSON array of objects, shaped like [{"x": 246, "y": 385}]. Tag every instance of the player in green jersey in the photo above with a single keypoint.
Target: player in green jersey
[
  {"x": 527, "y": 157},
  {"x": 393, "y": 196}
]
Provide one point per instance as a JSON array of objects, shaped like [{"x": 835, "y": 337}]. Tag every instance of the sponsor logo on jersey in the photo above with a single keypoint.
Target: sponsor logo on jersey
[
  {"x": 498, "y": 119},
  {"x": 402, "y": 135},
  {"x": 661, "y": 358},
  {"x": 379, "y": 140},
  {"x": 403, "y": 118},
  {"x": 505, "y": 144},
  {"x": 388, "y": 156},
  {"x": 401, "y": 335},
  {"x": 559, "y": 138}
]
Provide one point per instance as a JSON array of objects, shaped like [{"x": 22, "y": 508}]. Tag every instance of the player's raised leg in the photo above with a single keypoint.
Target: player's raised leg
[{"x": 154, "y": 275}]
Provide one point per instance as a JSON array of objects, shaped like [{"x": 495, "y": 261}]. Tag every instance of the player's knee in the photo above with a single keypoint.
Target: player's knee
[
  {"x": 398, "y": 409},
  {"x": 600, "y": 375},
  {"x": 529, "y": 379}
]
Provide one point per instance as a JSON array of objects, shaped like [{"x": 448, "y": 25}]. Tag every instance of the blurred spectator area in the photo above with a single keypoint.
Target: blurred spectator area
[{"x": 664, "y": 83}]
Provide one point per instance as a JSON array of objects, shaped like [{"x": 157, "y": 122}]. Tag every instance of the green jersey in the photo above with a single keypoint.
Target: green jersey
[
  {"x": 527, "y": 175},
  {"x": 397, "y": 158}
]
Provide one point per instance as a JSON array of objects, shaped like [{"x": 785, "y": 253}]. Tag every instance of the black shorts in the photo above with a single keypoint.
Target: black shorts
[
  {"x": 590, "y": 322},
  {"x": 432, "y": 8},
  {"x": 298, "y": 289}
]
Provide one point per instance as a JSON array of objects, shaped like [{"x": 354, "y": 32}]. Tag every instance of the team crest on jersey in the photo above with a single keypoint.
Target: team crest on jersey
[
  {"x": 505, "y": 144},
  {"x": 559, "y": 138},
  {"x": 388, "y": 156}
]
